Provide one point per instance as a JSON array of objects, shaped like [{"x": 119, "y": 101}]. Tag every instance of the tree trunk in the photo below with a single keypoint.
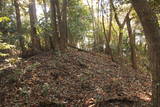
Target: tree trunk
[
  {"x": 1, "y": 6},
  {"x": 107, "y": 50},
  {"x": 119, "y": 47},
  {"x": 62, "y": 23},
  {"x": 110, "y": 23},
  {"x": 55, "y": 40},
  {"x": 19, "y": 26},
  {"x": 36, "y": 47},
  {"x": 45, "y": 10},
  {"x": 152, "y": 32},
  {"x": 47, "y": 38},
  {"x": 132, "y": 43},
  {"x": 93, "y": 22},
  {"x": 121, "y": 27}
]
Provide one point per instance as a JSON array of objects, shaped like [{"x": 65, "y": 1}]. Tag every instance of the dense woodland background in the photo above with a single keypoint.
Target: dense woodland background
[{"x": 107, "y": 48}]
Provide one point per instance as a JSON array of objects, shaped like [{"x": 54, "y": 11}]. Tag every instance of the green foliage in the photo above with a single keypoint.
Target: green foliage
[
  {"x": 5, "y": 19},
  {"x": 155, "y": 4},
  {"x": 13, "y": 60},
  {"x": 80, "y": 25},
  {"x": 32, "y": 66},
  {"x": 45, "y": 89},
  {"x": 79, "y": 19},
  {"x": 14, "y": 76},
  {"x": 3, "y": 54},
  {"x": 4, "y": 46},
  {"x": 25, "y": 92}
]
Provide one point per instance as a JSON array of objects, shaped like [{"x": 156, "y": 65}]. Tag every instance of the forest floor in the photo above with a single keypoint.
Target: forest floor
[{"x": 73, "y": 79}]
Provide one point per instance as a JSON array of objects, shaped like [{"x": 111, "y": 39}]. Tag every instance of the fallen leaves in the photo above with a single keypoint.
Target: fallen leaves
[{"x": 74, "y": 78}]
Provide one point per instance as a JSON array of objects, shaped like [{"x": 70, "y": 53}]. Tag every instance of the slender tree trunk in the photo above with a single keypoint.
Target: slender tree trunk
[
  {"x": 110, "y": 23},
  {"x": 1, "y": 6},
  {"x": 132, "y": 43},
  {"x": 121, "y": 27},
  {"x": 98, "y": 37},
  {"x": 107, "y": 51},
  {"x": 47, "y": 37},
  {"x": 45, "y": 10},
  {"x": 62, "y": 23},
  {"x": 119, "y": 47},
  {"x": 152, "y": 32},
  {"x": 93, "y": 22},
  {"x": 19, "y": 25},
  {"x": 36, "y": 47},
  {"x": 55, "y": 44},
  {"x": 1, "y": 11}
]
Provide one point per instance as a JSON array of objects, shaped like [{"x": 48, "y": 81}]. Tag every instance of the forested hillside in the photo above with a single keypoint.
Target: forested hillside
[{"x": 79, "y": 53}]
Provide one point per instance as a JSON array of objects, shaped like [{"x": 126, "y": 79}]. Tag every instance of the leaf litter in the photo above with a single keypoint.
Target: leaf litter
[{"x": 73, "y": 79}]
